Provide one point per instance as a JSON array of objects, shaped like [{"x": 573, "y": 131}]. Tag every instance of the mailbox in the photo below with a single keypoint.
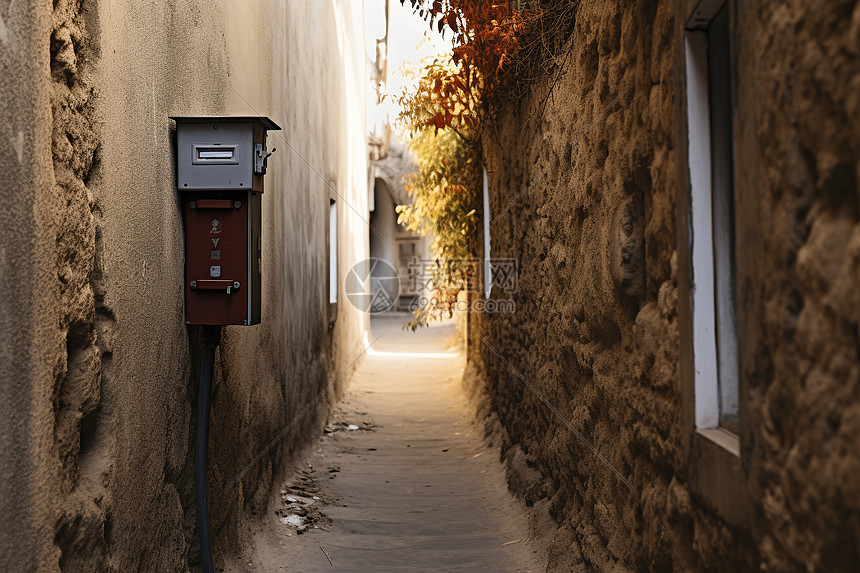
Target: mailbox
[{"x": 221, "y": 162}]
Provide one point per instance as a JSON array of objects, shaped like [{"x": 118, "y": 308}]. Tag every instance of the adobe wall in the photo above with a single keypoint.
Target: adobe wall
[
  {"x": 585, "y": 194},
  {"x": 798, "y": 167},
  {"x": 98, "y": 389}
]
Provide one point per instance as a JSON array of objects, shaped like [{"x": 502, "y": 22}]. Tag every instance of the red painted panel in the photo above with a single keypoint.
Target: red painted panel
[
  {"x": 214, "y": 204},
  {"x": 216, "y": 255}
]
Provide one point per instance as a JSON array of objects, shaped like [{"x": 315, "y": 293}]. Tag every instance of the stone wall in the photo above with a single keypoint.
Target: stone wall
[
  {"x": 798, "y": 167},
  {"x": 589, "y": 191},
  {"x": 98, "y": 379}
]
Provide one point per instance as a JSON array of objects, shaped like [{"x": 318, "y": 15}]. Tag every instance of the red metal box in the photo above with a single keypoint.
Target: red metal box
[{"x": 222, "y": 257}]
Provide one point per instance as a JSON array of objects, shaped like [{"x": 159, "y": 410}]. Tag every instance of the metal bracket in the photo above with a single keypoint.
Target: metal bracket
[{"x": 261, "y": 158}]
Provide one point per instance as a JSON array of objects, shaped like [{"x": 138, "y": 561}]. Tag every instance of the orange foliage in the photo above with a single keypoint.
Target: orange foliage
[{"x": 486, "y": 40}]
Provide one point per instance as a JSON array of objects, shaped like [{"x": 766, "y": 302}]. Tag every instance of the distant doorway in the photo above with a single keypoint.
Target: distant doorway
[
  {"x": 408, "y": 255},
  {"x": 396, "y": 245}
]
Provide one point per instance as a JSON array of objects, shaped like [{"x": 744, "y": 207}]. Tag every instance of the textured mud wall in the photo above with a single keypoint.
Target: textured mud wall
[
  {"x": 98, "y": 366},
  {"x": 799, "y": 165},
  {"x": 585, "y": 192},
  {"x": 591, "y": 221},
  {"x": 29, "y": 281}
]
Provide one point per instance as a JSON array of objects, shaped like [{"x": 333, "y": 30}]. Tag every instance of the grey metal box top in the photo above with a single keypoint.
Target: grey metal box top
[
  {"x": 214, "y": 155},
  {"x": 217, "y": 152}
]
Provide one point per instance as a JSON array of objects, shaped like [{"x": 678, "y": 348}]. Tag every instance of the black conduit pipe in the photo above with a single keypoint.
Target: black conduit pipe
[{"x": 210, "y": 339}]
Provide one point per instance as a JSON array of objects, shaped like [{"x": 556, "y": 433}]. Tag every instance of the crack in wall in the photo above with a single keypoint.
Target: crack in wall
[{"x": 81, "y": 398}]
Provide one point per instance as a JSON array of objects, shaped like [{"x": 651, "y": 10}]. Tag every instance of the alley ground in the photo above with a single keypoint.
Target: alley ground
[{"x": 402, "y": 479}]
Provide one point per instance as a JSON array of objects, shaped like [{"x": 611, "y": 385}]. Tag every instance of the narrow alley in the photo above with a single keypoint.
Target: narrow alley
[{"x": 404, "y": 475}]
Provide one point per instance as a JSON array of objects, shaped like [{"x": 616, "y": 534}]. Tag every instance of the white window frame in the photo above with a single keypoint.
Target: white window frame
[
  {"x": 488, "y": 271},
  {"x": 332, "y": 259},
  {"x": 332, "y": 248},
  {"x": 712, "y": 301},
  {"x": 715, "y": 473}
]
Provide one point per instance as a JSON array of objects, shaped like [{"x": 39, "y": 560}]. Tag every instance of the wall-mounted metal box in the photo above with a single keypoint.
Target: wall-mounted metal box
[
  {"x": 221, "y": 152},
  {"x": 220, "y": 166}
]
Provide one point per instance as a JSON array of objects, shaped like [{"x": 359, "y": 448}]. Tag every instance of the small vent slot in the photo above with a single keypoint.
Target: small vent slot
[{"x": 214, "y": 155}]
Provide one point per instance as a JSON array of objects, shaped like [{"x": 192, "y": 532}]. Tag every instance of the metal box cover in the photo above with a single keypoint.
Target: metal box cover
[
  {"x": 217, "y": 153},
  {"x": 214, "y": 156}
]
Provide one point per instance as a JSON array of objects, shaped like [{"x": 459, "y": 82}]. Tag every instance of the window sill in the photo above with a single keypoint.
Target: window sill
[
  {"x": 723, "y": 438},
  {"x": 717, "y": 476},
  {"x": 332, "y": 313}
]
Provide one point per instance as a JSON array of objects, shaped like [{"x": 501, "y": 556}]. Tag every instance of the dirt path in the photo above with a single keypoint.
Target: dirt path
[{"x": 403, "y": 479}]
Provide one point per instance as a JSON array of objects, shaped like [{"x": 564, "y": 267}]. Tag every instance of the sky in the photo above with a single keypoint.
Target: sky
[{"x": 410, "y": 40}]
